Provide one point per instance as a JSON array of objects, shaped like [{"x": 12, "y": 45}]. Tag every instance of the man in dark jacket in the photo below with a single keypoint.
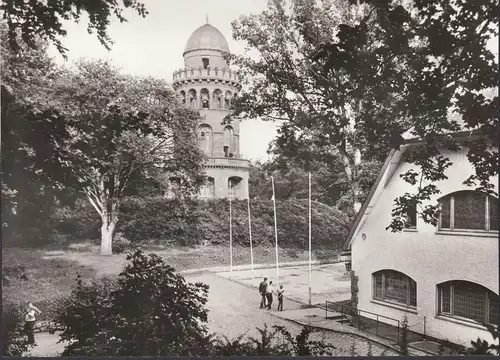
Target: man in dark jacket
[{"x": 262, "y": 292}]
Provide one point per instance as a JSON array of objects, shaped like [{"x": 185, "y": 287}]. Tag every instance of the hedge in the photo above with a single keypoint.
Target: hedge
[{"x": 191, "y": 222}]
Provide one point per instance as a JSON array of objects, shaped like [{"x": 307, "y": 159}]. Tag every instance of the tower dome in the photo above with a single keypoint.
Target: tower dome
[{"x": 206, "y": 37}]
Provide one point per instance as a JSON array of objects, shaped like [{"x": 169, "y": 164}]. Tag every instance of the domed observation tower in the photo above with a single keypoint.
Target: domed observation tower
[{"x": 208, "y": 84}]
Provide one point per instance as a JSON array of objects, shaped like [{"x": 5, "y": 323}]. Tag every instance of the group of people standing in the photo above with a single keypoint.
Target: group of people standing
[
  {"x": 29, "y": 322},
  {"x": 266, "y": 291}
]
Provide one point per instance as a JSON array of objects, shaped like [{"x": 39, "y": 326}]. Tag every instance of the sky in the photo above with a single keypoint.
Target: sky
[{"x": 154, "y": 46}]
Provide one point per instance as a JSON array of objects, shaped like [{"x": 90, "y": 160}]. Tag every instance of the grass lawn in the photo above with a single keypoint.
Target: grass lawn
[{"x": 51, "y": 272}]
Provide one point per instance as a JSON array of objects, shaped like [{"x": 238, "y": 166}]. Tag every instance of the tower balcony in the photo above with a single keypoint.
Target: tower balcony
[
  {"x": 209, "y": 75},
  {"x": 226, "y": 162}
]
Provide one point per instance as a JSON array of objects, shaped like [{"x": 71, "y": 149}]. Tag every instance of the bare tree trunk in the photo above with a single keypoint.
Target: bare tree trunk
[
  {"x": 351, "y": 169},
  {"x": 107, "y": 232}
]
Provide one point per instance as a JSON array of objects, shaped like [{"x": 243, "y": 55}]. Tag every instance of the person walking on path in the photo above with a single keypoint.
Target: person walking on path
[
  {"x": 262, "y": 292},
  {"x": 269, "y": 294},
  {"x": 29, "y": 325},
  {"x": 280, "y": 298}
]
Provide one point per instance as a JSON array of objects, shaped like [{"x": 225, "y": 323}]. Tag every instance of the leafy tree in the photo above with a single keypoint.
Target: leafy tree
[
  {"x": 118, "y": 124},
  {"x": 31, "y": 176},
  {"x": 148, "y": 311},
  {"x": 329, "y": 183},
  {"x": 353, "y": 76},
  {"x": 38, "y": 19}
]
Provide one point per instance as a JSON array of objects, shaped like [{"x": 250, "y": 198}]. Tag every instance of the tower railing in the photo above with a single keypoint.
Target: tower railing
[
  {"x": 226, "y": 161},
  {"x": 224, "y": 74}
]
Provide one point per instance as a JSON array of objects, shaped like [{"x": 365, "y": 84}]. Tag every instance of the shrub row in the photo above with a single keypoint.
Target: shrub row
[{"x": 191, "y": 222}]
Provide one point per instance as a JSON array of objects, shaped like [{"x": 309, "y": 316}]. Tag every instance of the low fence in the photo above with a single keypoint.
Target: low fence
[{"x": 380, "y": 325}]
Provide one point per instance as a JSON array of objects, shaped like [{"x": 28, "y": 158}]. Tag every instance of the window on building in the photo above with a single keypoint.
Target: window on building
[
  {"x": 468, "y": 301},
  {"x": 411, "y": 218},
  {"x": 206, "y": 63},
  {"x": 208, "y": 190},
  {"x": 395, "y": 287},
  {"x": 234, "y": 185},
  {"x": 228, "y": 140},
  {"x": 469, "y": 210}
]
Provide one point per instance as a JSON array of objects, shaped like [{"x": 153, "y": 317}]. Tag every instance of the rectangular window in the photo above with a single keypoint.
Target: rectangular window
[
  {"x": 411, "y": 222},
  {"x": 469, "y": 211},
  {"x": 466, "y": 300},
  {"x": 445, "y": 299},
  {"x": 493, "y": 213},
  {"x": 378, "y": 287},
  {"x": 413, "y": 293},
  {"x": 395, "y": 287},
  {"x": 445, "y": 214},
  {"x": 494, "y": 305}
]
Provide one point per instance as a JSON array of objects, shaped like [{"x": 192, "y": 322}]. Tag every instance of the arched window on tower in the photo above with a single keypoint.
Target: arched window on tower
[
  {"x": 205, "y": 137},
  {"x": 192, "y": 99},
  {"x": 208, "y": 189},
  {"x": 205, "y": 99},
  {"x": 227, "y": 100},
  {"x": 228, "y": 141},
  {"x": 234, "y": 187},
  {"x": 217, "y": 99},
  {"x": 206, "y": 62},
  {"x": 183, "y": 97}
]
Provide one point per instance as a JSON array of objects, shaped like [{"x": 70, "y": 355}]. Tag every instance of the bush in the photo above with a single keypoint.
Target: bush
[
  {"x": 278, "y": 342},
  {"x": 149, "y": 311},
  {"x": 191, "y": 222},
  {"x": 13, "y": 338},
  {"x": 120, "y": 243}
]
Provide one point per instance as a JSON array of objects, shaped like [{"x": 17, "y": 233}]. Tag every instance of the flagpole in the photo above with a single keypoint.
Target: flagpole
[
  {"x": 310, "y": 257},
  {"x": 276, "y": 235},
  {"x": 230, "y": 240},
  {"x": 250, "y": 234}
]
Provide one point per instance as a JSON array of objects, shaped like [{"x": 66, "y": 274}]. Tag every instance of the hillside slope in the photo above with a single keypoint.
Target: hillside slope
[{"x": 191, "y": 222}]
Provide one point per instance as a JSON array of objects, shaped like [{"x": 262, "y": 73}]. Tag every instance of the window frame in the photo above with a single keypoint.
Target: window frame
[
  {"x": 451, "y": 315},
  {"x": 451, "y": 198},
  {"x": 409, "y": 226},
  {"x": 206, "y": 62},
  {"x": 383, "y": 290}
]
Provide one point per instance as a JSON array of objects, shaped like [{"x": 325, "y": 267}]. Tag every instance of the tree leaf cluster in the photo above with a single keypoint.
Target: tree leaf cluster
[{"x": 345, "y": 75}]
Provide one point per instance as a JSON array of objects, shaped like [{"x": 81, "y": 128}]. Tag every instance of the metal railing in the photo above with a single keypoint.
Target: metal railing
[{"x": 368, "y": 323}]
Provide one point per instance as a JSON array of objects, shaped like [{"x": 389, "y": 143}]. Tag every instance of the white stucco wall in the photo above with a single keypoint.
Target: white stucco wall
[{"x": 425, "y": 256}]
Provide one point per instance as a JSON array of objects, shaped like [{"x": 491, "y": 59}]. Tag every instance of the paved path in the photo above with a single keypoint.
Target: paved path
[
  {"x": 328, "y": 281},
  {"x": 234, "y": 310}
]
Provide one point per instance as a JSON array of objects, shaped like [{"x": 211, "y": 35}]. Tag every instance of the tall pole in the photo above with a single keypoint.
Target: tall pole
[
  {"x": 310, "y": 257},
  {"x": 230, "y": 240},
  {"x": 276, "y": 235},
  {"x": 250, "y": 234}
]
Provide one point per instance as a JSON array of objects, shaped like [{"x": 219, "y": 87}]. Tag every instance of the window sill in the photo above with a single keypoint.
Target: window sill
[
  {"x": 455, "y": 320},
  {"x": 489, "y": 234},
  {"x": 410, "y": 309},
  {"x": 410, "y": 230}
]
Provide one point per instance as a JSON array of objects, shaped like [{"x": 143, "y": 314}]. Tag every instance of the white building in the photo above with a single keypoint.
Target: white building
[{"x": 447, "y": 274}]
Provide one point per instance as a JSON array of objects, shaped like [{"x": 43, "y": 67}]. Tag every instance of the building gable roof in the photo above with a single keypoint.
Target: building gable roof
[{"x": 461, "y": 135}]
